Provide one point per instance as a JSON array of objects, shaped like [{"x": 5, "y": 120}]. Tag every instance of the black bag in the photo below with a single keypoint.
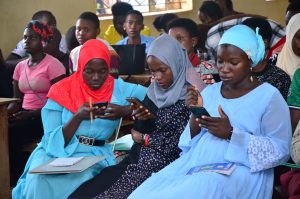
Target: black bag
[{"x": 132, "y": 58}]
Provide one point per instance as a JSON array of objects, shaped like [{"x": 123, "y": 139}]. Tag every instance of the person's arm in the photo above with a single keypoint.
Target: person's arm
[
  {"x": 56, "y": 71},
  {"x": 56, "y": 79},
  {"x": 59, "y": 139},
  {"x": 14, "y": 107},
  {"x": 125, "y": 90},
  {"x": 193, "y": 98},
  {"x": 71, "y": 127},
  {"x": 268, "y": 149},
  {"x": 295, "y": 117}
]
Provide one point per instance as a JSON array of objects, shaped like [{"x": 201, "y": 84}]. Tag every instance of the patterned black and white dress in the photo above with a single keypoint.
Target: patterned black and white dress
[
  {"x": 162, "y": 150},
  {"x": 276, "y": 77}
]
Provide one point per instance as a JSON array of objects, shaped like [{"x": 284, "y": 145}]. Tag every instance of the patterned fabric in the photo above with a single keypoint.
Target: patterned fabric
[
  {"x": 206, "y": 69},
  {"x": 294, "y": 95},
  {"x": 215, "y": 33},
  {"x": 262, "y": 154},
  {"x": 43, "y": 30},
  {"x": 276, "y": 77},
  {"x": 162, "y": 151}
]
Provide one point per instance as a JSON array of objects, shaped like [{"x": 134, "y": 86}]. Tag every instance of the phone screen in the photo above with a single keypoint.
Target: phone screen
[
  {"x": 100, "y": 104},
  {"x": 136, "y": 102},
  {"x": 199, "y": 111}
]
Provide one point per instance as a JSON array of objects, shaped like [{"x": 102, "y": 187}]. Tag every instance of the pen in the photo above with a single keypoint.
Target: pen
[{"x": 91, "y": 113}]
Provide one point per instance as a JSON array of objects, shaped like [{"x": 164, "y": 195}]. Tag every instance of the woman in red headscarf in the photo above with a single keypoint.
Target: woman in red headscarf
[{"x": 69, "y": 130}]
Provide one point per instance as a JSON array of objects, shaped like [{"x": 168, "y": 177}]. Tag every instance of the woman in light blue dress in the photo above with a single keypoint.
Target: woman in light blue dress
[
  {"x": 66, "y": 117},
  {"x": 249, "y": 125}
]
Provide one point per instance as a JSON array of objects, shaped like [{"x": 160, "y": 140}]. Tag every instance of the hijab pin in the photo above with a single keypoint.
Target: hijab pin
[{"x": 248, "y": 52}]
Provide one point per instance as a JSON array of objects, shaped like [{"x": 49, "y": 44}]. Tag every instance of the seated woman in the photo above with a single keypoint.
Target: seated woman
[
  {"x": 156, "y": 139},
  {"x": 289, "y": 57},
  {"x": 290, "y": 181},
  {"x": 133, "y": 25},
  {"x": 32, "y": 80},
  {"x": 66, "y": 119},
  {"x": 251, "y": 135}
]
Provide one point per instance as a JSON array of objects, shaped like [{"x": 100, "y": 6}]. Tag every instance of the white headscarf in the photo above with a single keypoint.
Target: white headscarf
[
  {"x": 287, "y": 59},
  {"x": 170, "y": 52}
]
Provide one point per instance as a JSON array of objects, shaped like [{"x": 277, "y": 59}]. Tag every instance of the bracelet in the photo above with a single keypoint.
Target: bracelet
[{"x": 146, "y": 143}]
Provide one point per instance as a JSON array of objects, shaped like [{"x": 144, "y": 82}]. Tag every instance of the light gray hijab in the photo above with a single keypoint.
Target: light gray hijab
[{"x": 170, "y": 52}]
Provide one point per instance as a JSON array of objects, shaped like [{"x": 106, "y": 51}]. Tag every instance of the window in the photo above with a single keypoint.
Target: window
[{"x": 147, "y": 7}]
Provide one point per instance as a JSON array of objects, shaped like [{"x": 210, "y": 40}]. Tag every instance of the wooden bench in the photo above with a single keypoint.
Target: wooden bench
[{"x": 5, "y": 191}]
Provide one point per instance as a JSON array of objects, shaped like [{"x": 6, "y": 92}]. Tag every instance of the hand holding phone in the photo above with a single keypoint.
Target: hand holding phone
[
  {"x": 101, "y": 107},
  {"x": 100, "y": 104},
  {"x": 139, "y": 110},
  {"x": 135, "y": 103},
  {"x": 199, "y": 111}
]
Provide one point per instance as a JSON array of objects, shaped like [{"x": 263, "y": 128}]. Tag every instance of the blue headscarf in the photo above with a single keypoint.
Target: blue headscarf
[{"x": 244, "y": 38}]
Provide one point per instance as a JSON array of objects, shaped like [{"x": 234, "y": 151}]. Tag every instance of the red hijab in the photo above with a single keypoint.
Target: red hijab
[{"x": 72, "y": 91}]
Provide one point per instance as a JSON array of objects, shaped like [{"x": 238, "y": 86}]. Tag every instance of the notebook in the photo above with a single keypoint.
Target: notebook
[
  {"x": 62, "y": 165},
  {"x": 132, "y": 58},
  {"x": 222, "y": 168},
  {"x": 61, "y": 162}
]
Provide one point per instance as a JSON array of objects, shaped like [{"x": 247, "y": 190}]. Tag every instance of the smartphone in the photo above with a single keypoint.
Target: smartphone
[
  {"x": 216, "y": 77},
  {"x": 198, "y": 111},
  {"x": 136, "y": 102},
  {"x": 100, "y": 104}
]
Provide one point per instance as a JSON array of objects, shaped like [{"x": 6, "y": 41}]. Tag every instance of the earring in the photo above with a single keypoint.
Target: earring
[{"x": 251, "y": 78}]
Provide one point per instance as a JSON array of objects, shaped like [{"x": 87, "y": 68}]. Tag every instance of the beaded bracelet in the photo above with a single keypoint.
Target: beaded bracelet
[{"x": 146, "y": 143}]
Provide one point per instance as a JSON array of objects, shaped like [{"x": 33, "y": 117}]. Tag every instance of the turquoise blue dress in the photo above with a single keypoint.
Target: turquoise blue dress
[
  {"x": 260, "y": 141},
  {"x": 54, "y": 116}
]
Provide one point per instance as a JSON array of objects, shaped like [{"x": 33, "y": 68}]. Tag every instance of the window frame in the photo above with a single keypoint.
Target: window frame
[{"x": 186, "y": 5}]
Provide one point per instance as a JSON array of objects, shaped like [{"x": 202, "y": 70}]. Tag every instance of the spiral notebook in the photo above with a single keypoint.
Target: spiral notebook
[{"x": 67, "y": 165}]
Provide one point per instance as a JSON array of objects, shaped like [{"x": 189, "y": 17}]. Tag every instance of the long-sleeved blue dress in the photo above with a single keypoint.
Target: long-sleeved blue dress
[
  {"x": 54, "y": 116},
  {"x": 260, "y": 140}
]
